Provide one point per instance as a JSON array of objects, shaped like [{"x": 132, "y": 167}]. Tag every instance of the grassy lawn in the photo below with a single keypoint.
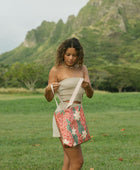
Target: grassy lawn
[{"x": 26, "y": 132}]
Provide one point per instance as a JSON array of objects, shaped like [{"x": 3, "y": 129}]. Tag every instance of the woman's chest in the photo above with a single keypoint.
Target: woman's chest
[{"x": 64, "y": 74}]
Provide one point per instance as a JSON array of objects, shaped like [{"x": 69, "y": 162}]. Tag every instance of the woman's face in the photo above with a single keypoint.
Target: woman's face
[{"x": 70, "y": 57}]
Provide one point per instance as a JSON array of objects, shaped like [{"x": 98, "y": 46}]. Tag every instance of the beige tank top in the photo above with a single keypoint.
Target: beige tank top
[{"x": 67, "y": 87}]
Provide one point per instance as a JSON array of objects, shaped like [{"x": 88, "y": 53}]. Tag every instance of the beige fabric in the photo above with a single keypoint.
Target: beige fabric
[
  {"x": 67, "y": 87},
  {"x": 65, "y": 92}
]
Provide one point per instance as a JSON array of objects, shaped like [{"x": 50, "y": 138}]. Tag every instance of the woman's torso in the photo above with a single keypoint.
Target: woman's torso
[
  {"x": 67, "y": 87},
  {"x": 68, "y": 79}
]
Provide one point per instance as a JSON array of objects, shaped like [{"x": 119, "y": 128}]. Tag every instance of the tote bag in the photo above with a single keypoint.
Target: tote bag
[{"x": 71, "y": 121}]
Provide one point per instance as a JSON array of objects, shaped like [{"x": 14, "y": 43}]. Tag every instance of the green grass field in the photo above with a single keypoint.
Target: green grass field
[{"x": 26, "y": 141}]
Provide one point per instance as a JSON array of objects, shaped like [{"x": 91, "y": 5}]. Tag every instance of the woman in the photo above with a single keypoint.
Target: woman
[{"x": 64, "y": 77}]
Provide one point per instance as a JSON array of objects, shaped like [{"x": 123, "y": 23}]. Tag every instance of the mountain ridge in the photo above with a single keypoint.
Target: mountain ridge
[{"x": 102, "y": 26}]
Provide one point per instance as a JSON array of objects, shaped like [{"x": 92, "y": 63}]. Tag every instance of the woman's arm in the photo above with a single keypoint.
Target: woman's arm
[
  {"x": 86, "y": 83},
  {"x": 52, "y": 80}
]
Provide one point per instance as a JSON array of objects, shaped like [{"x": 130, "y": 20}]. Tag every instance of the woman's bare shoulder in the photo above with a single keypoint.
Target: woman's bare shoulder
[
  {"x": 55, "y": 71},
  {"x": 84, "y": 68},
  {"x": 53, "y": 74}
]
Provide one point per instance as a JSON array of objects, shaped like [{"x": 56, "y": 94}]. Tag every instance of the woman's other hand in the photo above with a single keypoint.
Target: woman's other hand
[
  {"x": 85, "y": 85},
  {"x": 88, "y": 89}
]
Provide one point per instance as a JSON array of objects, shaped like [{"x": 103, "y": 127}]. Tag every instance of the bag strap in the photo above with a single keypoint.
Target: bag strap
[
  {"x": 76, "y": 90},
  {"x": 54, "y": 95}
]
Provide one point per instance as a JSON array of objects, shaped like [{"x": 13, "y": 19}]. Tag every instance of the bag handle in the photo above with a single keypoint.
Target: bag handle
[
  {"x": 76, "y": 90},
  {"x": 54, "y": 95}
]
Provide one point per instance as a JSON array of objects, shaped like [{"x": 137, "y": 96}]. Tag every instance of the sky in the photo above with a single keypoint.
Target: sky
[{"x": 17, "y": 17}]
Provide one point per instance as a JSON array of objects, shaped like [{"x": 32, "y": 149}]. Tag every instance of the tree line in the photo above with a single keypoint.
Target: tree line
[
  {"x": 116, "y": 79},
  {"x": 27, "y": 75},
  {"x": 33, "y": 75}
]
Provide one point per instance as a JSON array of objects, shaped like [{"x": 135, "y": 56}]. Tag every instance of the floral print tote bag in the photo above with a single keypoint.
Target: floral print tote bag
[{"x": 71, "y": 122}]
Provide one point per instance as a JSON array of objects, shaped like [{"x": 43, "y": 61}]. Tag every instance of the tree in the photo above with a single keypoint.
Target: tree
[
  {"x": 28, "y": 74},
  {"x": 3, "y": 70},
  {"x": 121, "y": 77},
  {"x": 134, "y": 77},
  {"x": 98, "y": 77}
]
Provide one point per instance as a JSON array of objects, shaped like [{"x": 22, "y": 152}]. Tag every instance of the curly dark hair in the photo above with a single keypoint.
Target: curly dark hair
[{"x": 70, "y": 43}]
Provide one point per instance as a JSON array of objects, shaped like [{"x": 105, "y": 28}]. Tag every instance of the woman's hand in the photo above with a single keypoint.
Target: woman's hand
[
  {"x": 85, "y": 85},
  {"x": 88, "y": 89},
  {"x": 55, "y": 86},
  {"x": 48, "y": 91}
]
